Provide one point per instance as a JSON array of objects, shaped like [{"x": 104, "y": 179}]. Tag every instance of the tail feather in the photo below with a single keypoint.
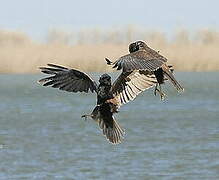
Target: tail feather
[
  {"x": 168, "y": 74},
  {"x": 114, "y": 133}
]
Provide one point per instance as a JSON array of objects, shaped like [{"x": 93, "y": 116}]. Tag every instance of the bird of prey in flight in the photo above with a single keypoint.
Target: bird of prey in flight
[
  {"x": 141, "y": 70},
  {"x": 145, "y": 63}
]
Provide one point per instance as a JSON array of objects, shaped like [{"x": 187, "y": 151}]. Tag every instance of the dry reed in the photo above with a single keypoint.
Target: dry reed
[{"x": 86, "y": 50}]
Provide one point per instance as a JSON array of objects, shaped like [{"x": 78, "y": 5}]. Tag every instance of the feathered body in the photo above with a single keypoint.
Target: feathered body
[{"x": 103, "y": 112}]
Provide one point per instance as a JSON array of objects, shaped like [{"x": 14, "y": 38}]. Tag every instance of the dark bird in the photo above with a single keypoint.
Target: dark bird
[
  {"x": 149, "y": 64},
  {"x": 72, "y": 80}
]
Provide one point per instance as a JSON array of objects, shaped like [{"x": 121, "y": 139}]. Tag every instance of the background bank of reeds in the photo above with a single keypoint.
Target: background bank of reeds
[{"x": 86, "y": 49}]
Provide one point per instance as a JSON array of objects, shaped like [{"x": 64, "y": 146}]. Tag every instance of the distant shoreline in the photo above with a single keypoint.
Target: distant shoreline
[{"x": 19, "y": 54}]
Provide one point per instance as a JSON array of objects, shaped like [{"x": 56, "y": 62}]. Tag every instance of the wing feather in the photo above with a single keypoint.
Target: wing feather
[
  {"x": 129, "y": 84},
  {"x": 139, "y": 60},
  {"x": 70, "y": 80}
]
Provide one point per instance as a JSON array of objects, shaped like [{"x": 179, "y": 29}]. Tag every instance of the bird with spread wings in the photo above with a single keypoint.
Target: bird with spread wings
[
  {"x": 136, "y": 77},
  {"x": 149, "y": 64}
]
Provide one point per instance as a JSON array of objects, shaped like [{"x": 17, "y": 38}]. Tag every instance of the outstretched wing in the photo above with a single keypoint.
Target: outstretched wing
[
  {"x": 140, "y": 60},
  {"x": 129, "y": 84},
  {"x": 70, "y": 80}
]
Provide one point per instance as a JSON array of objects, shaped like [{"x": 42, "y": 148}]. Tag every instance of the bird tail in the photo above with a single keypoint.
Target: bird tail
[
  {"x": 169, "y": 75},
  {"x": 111, "y": 129}
]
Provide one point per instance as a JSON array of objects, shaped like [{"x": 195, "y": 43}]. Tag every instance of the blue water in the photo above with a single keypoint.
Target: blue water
[{"x": 43, "y": 137}]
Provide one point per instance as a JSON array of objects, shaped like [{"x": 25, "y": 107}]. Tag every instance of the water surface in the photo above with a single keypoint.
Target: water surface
[{"x": 43, "y": 137}]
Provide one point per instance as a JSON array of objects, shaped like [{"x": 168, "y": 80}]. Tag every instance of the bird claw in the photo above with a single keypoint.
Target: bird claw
[
  {"x": 155, "y": 92},
  {"x": 85, "y": 116},
  {"x": 162, "y": 95}
]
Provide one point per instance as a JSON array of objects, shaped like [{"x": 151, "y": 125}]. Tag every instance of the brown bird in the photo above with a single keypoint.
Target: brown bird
[{"x": 149, "y": 64}]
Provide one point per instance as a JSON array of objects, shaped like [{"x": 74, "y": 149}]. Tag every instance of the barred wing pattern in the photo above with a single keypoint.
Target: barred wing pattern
[
  {"x": 139, "y": 60},
  {"x": 70, "y": 80},
  {"x": 128, "y": 85}
]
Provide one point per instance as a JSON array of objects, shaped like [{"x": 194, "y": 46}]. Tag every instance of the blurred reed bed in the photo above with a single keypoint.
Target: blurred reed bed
[{"x": 86, "y": 49}]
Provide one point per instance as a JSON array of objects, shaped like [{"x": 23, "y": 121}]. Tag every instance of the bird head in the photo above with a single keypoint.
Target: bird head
[
  {"x": 105, "y": 79},
  {"x": 138, "y": 45}
]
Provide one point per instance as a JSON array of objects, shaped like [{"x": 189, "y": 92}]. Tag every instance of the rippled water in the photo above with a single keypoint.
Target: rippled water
[{"x": 43, "y": 137}]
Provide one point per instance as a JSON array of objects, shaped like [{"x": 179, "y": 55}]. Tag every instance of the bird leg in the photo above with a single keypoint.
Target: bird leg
[
  {"x": 162, "y": 95},
  {"x": 85, "y": 116}
]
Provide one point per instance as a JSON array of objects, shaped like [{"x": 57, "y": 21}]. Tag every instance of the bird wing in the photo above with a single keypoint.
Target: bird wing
[
  {"x": 70, "y": 80},
  {"x": 140, "y": 60},
  {"x": 129, "y": 84}
]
